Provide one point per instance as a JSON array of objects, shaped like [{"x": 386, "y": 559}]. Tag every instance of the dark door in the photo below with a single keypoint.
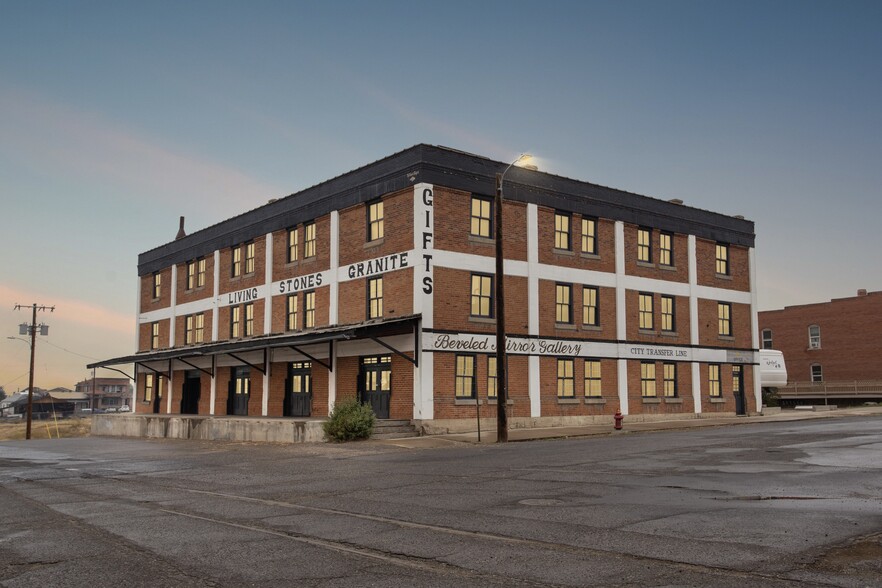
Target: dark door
[
  {"x": 738, "y": 389},
  {"x": 239, "y": 392},
  {"x": 157, "y": 397},
  {"x": 190, "y": 393},
  {"x": 375, "y": 383},
  {"x": 298, "y": 389}
]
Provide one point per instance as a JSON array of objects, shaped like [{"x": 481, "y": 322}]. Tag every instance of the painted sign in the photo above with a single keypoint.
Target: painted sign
[
  {"x": 300, "y": 283},
  {"x": 373, "y": 267},
  {"x": 241, "y": 296}
]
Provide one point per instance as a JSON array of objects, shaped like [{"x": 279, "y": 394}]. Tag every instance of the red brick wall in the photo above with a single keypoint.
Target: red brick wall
[
  {"x": 452, "y": 300},
  {"x": 548, "y": 326},
  {"x": 604, "y": 261},
  {"x": 397, "y": 227},
  {"x": 680, "y": 336},
  {"x": 682, "y": 404},
  {"x": 145, "y": 331},
  {"x": 551, "y": 405},
  {"x": 708, "y": 327},
  {"x": 452, "y": 218},
  {"x": 197, "y": 293},
  {"x": 679, "y": 272},
  {"x": 739, "y": 266},
  {"x": 148, "y": 303}
]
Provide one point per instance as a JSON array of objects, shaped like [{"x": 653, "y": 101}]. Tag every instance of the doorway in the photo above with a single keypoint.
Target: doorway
[
  {"x": 375, "y": 383},
  {"x": 239, "y": 391},
  {"x": 738, "y": 390},
  {"x": 190, "y": 392},
  {"x": 298, "y": 390}
]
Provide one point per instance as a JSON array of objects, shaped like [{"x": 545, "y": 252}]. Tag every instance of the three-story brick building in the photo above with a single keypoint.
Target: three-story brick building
[{"x": 379, "y": 284}]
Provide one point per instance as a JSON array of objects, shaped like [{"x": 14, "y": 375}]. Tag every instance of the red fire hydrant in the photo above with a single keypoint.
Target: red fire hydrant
[{"x": 618, "y": 418}]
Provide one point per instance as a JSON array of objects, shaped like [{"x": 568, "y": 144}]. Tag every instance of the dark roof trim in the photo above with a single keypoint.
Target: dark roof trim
[
  {"x": 452, "y": 169},
  {"x": 396, "y": 326}
]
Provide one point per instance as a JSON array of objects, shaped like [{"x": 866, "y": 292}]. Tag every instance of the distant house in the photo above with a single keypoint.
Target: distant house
[
  {"x": 106, "y": 393},
  {"x": 18, "y": 402}
]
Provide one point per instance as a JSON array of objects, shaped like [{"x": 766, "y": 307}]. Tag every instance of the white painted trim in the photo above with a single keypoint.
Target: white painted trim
[
  {"x": 621, "y": 305},
  {"x": 696, "y": 387},
  {"x": 215, "y": 319},
  {"x": 534, "y": 386},
  {"x": 332, "y": 379},
  {"x": 333, "y": 305},
  {"x": 754, "y": 317},
  {"x": 268, "y": 280},
  {"x": 267, "y": 373},
  {"x": 172, "y": 310},
  {"x": 424, "y": 303},
  {"x": 212, "y": 396},
  {"x": 693, "y": 295},
  {"x": 534, "y": 377},
  {"x": 622, "y": 381}
]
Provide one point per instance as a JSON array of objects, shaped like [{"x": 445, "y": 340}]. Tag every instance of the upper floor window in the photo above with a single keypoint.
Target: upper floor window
[
  {"x": 565, "y": 379},
  {"x": 191, "y": 275},
  {"x": 670, "y": 379},
  {"x": 482, "y": 217},
  {"x": 665, "y": 249},
  {"x": 590, "y": 307},
  {"x": 592, "y": 378},
  {"x": 196, "y": 274},
  {"x": 814, "y": 337},
  {"x": 668, "y": 314},
  {"x": 647, "y": 379},
  {"x": 309, "y": 240},
  {"x": 375, "y": 228},
  {"x": 589, "y": 235},
  {"x": 293, "y": 244},
  {"x": 200, "y": 273},
  {"x": 309, "y": 309},
  {"x": 236, "y": 261},
  {"x": 154, "y": 335},
  {"x": 817, "y": 373},
  {"x": 235, "y": 322},
  {"x": 482, "y": 296},
  {"x": 722, "y": 259},
  {"x": 465, "y": 376},
  {"x": 561, "y": 231},
  {"x": 724, "y": 319},
  {"x": 249, "y": 258},
  {"x": 713, "y": 379},
  {"x": 248, "y": 331},
  {"x": 645, "y": 311},
  {"x": 644, "y": 245},
  {"x": 194, "y": 328},
  {"x": 291, "y": 322},
  {"x": 375, "y": 297},
  {"x": 767, "y": 339},
  {"x": 157, "y": 286},
  {"x": 563, "y": 303}
]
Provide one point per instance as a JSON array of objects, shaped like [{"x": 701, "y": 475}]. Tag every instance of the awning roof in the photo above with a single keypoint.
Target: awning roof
[{"x": 396, "y": 326}]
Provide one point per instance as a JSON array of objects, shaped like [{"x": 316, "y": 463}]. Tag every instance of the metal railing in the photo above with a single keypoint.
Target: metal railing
[{"x": 825, "y": 390}]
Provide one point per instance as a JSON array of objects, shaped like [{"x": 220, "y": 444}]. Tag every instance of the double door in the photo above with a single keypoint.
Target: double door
[
  {"x": 298, "y": 390},
  {"x": 239, "y": 392},
  {"x": 375, "y": 383}
]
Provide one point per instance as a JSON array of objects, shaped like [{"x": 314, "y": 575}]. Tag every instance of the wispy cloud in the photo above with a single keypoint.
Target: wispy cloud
[
  {"x": 42, "y": 133},
  {"x": 77, "y": 312}
]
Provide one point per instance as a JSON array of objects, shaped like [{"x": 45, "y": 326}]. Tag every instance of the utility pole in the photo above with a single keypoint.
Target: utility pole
[{"x": 31, "y": 329}]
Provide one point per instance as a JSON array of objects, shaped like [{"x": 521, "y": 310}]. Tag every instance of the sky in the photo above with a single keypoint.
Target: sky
[{"x": 118, "y": 117}]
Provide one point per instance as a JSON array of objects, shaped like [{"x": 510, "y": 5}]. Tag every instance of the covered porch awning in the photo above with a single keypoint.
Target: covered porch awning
[{"x": 374, "y": 330}]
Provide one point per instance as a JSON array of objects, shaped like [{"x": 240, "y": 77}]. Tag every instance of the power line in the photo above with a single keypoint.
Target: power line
[{"x": 69, "y": 351}]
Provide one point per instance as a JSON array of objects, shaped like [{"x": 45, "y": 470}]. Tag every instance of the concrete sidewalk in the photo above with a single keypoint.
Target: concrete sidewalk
[{"x": 589, "y": 430}]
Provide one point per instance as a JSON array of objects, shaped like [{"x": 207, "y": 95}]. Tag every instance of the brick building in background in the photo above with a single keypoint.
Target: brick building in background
[
  {"x": 379, "y": 284},
  {"x": 107, "y": 393},
  {"x": 835, "y": 345}
]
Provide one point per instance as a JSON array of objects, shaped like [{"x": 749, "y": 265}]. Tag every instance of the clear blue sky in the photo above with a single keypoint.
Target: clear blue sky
[{"x": 118, "y": 117}]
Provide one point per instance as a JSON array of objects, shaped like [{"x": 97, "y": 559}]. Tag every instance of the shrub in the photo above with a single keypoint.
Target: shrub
[
  {"x": 350, "y": 420},
  {"x": 770, "y": 397}
]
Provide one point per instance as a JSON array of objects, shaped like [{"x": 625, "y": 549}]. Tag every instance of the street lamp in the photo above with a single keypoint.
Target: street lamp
[{"x": 501, "y": 367}]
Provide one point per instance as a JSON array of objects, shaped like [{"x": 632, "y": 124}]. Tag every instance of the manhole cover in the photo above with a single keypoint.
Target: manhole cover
[{"x": 540, "y": 502}]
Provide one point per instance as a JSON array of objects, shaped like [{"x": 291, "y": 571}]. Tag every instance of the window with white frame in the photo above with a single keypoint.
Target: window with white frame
[
  {"x": 767, "y": 339},
  {"x": 817, "y": 373},
  {"x": 814, "y": 337}
]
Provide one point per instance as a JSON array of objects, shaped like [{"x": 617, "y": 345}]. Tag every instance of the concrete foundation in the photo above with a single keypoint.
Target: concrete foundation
[{"x": 209, "y": 428}]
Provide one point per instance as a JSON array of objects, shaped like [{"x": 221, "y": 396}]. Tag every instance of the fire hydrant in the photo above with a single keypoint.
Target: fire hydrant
[{"x": 618, "y": 418}]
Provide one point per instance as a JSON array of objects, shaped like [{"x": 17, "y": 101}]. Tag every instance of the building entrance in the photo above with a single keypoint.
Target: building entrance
[
  {"x": 298, "y": 390},
  {"x": 239, "y": 391},
  {"x": 738, "y": 389},
  {"x": 375, "y": 383},
  {"x": 190, "y": 393}
]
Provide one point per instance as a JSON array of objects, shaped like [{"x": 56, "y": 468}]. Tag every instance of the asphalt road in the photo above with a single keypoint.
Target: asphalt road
[{"x": 777, "y": 504}]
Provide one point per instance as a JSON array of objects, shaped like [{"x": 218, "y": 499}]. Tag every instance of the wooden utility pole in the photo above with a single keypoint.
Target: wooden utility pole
[{"x": 32, "y": 330}]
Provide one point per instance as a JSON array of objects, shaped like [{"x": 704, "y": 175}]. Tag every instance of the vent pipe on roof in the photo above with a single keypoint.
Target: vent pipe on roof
[
  {"x": 675, "y": 201},
  {"x": 862, "y": 292},
  {"x": 181, "y": 233},
  {"x": 739, "y": 216}
]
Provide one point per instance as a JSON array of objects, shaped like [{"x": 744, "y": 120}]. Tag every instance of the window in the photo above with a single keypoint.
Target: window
[
  {"x": 644, "y": 245},
  {"x": 309, "y": 309},
  {"x": 309, "y": 240},
  {"x": 235, "y": 322},
  {"x": 200, "y": 273},
  {"x": 154, "y": 336},
  {"x": 736, "y": 379},
  {"x": 491, "y": 376},
  {"x": 665, "y": 249},
  {"x": 375, "y": 297},
  {"x": 589, "y": 235},
  {"x": 647, "y": 379},
  {"x": 148, "y": 387},
  {"x": 668, "y": 314},
  {"x": 194, "y": 329},
  {"x": 561, "y": 231},
  {"x": 236, "y": 263},
  {"x": 817, "y": 373},
  {"x": 645, "y": 311},
  {"x": 722, "y": 255},
  {"x": 293, "y": 244},
  {"x": 565, "y": 379},
  {"x": 191, "y": 275},
  {"x": 249, "y": 258},
  {"x": 157, "y": 285},
  {"x": 814, "y": 337},
  {"x": 375, "y": 220},
  {"x": 670, "y": 379},
  {"x": 291, "y": 320},
  {"x": 465, "y": 376},
  {"x": 482, "y": 217},
  {"x": 713, "y": 378},
  {"x": 724, "y": 316},
  {"x": 590, "y": 308},
  {"x": 592, "y": 378},
  {"x": 563, "y": 303},
  {"x": 767, "y": 339},
  {"x": 482, "y": 296},
  {"x": 249, "y": 320}
]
